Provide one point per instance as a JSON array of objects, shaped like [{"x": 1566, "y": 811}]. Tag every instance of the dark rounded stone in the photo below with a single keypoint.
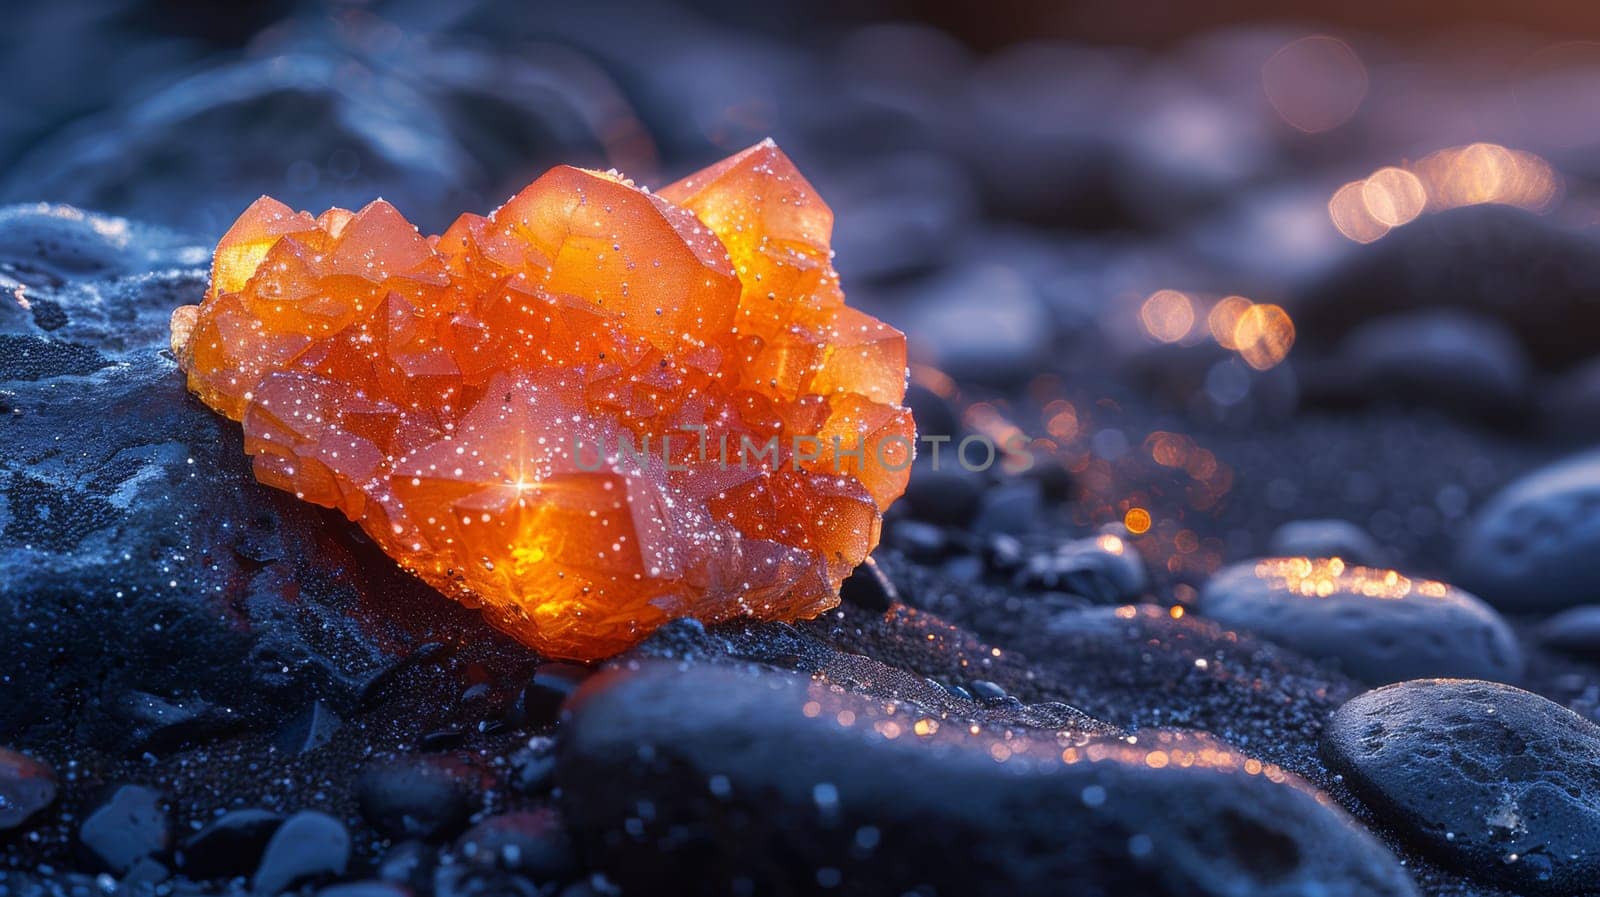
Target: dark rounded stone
[
  {"x": 551, "y": 685},
  {"x": 365, "y": 889},
  {"x": 310, "y": 729},
  {"x": 111, "y": 639},
  {"x": 145, "y": 873},
  {"x": 308, "y": 846},
  {"x": 26, "y": 787},
  {"x": 736, "y": 778},
  {"x": 418, "y": 796},
  {"x": 43, "y": 242},
  {"x": 533, "y": 767},
  {"x": 1460, "y": 362},
  {"x": 1379, "y": 626},
  {"x": 158, "y": 725},
  {"x": 532, "y": 843},
  {"x": 128, "y": 827},
  {"x": 1533, "y": 275},
  {"x": 1014, "y": 340},
  {"x": 408, "y": 864},
  {"x": 1570, "y": 406},
  {"x": 1106, "y": 569},
  {"x": 869, "y": 588},
  {"x": 984, "y": 690},
  {"x": 1496, "y": 782},
  {"x": 1576, "y": 630},
  {"x": 472, "y": 880},
  {"x": 920, "y": 541},
  {"x": 229, "y": 845},
  {"x": 128, "y": 159},
  {"x": 1326, "y": 539},
  {"x": 1013, "y": 507},
  {"x": 1533, "y": 546},
  {"x": 933, "y": 413},
  {"x": 947, "y": 495},
  {"x": 897, "y": 215}
]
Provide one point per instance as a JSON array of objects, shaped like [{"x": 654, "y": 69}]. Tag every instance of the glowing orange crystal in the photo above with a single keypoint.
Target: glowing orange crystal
[{"x": 590, "y": 412}]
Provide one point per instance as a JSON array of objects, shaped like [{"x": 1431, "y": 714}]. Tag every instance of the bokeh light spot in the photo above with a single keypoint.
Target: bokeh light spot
[
  {"x": 1224, "y": 317},
  {"x": 1394, "y": 196},
  {"x": 1315, "y": 83},
  {"x": 1348, "y": 209},
  {"x": 1167, "y": 315},
  {"x": 1264, "y": 335}
]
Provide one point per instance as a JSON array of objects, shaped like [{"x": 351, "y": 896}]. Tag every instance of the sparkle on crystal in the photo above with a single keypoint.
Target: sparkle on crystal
[{"x": 434, "y": 389}]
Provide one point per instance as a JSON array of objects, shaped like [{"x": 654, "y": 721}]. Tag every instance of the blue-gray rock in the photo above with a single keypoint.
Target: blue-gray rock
[
  {"x": 533, "y": 767},
  {"x": 308, "y": 846},
  {"x": 539, "y": 703},
  {"x": 869, "y": 587},
  {"x": 1465, "y": 363},
  {"x": 158, "y": 725},
  {"x": 151, "y": 591},
  {"x": 1496, "y": 782},
  {"x": 1015, "y": 337},
  {"x": 1378, "y": 625},
  {"x": 408, "y": 864},
  {"x": 948, "y": 494},
  {"x": 128, "y": 827},
  {"x": 1010, "y": 506},
  {"x": 1533, "y": 545},
  {"x": 1106, "y": 569},
  {"x": 310, "y": 729},
  {"x": 1576, "y": 630},
  {"x": 1327, "y": 539},
  {"x": 229, "y": 845},
  {"x": 898, "y": 215},
  {"x": 434, "y": 137},
  {"x": 1535, "y": 276},
  {"x": 1571, "y": 405},
  {"x": 365, "y": 889},
  {"x": 530, "y": 842},
  {"x": 420, "y": 796},
  {"x": 733, "y": 777},
  {"x": 26, "y": 787}
]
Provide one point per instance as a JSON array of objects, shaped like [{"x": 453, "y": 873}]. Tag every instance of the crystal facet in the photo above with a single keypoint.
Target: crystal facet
[{"x": 592, "y": 411}]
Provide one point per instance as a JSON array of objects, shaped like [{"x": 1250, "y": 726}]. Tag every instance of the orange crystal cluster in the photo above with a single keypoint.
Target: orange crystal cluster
[{"x": 545, "y": 412}]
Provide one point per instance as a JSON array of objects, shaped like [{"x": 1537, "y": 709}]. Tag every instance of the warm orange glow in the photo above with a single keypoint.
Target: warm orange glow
[
  {"x": 1224, "y": 317},
  {"x": 1488, "y": 173},
  {"x": 1137, "y": 520},
  {"x": 1450, "y": 178},
  {"x": 1061, "y": 420},
  {"x": 1321, "y": 577},
  {"x": 934, "y": 380},
  {"x": 1315, "y": 83},
  {"x": 465, "y": 397},
  {"x": 1393, "y": 196},
  {"x": 1167, "y": 315},
  {"x": 1348, "y": 209},
  {"x": 1264, "y": 336}
]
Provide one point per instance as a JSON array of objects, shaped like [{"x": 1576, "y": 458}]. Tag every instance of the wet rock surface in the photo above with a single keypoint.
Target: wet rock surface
[
  {"x": 1163, "y": 814},
  {"x": 130, "y": 826},
  {"x": 1500, "y": 783},
  {"x": 1534, "y": 276},
  {"x": 1532, "y": 546},
  {"x": 422, "y": 797},
  {"x": 26, "y": 787},
  {"x": 1326, "y": 539},
  {"x": 247, "y": 659},
  {"x": 1379, "y": 627},
  {"x": 230, "y": 845},
  {"x": 308, "y": 846}
]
